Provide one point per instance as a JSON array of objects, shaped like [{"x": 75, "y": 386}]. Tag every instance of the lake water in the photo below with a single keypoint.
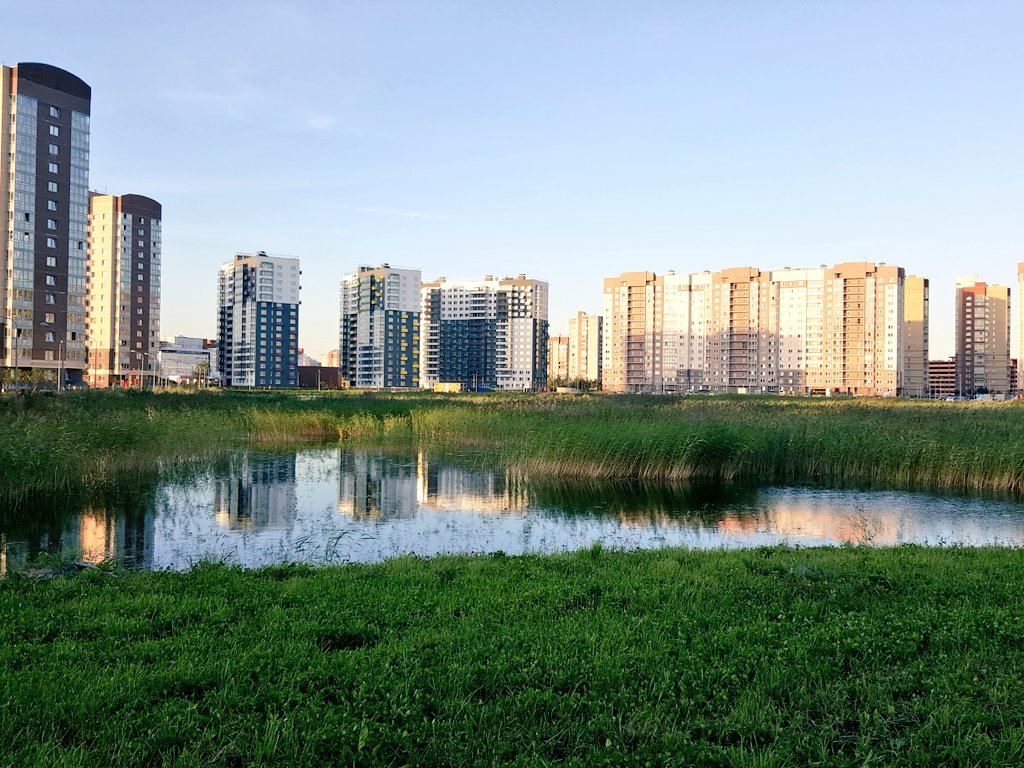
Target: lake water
[{"x": 329, "y": 505}]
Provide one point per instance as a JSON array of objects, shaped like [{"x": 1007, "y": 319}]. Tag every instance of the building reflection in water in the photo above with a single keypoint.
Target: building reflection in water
[
  {"x": 121, "y": 530},
  {"x": 376, "y": 486},
  {"x": 381, "y": 486},
  {"x": 448, "y": 487},
  {"x": 256, "y": 493}
]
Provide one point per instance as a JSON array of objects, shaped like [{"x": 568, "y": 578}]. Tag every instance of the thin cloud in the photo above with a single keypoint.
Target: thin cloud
[
  {"x": 394, "y": 212},
  {"x": 324, "y": 123}
]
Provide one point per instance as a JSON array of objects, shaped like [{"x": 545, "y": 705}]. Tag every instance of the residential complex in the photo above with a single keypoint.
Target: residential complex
[
  {"x": 484, "y": 334},
  {"x": 558, "y": 358},
  {"x": 44, "y": 183},
  {"x": 585, "y": 333},
  {"x": 982, "y": 337},
  {"x": 123, "y": 307},
  {"x": 379, "y": 339},
  {"x": 837, "y": 330},
  {"x": 258, "y": 321}
]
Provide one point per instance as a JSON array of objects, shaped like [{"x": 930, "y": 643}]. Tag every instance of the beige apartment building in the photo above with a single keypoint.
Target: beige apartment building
[
  {"x": 982, "y": 337},
  {"x": 915, "y": 336},
  {"x": 558, "y": 358},
  {"x": 585, "y": 333},
  {"x": 123, "y": 290},
  {"x": 633, "y": 325},
  {"x": 1020, "y": 313},
  {"x": 830, "y": 330}
]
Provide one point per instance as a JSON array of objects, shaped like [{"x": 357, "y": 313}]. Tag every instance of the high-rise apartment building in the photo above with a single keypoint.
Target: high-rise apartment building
[
  {"x": 631, "y": 354},
  {"x": 379, "y": 334},
  {"x": 982, "y": 337},
  {"x": 485, "y": 334},
  {"x": 585, "y": 346},
  {"x": 123, "y": 306},
  {"x": 831, "y": 330},
  {"x": 44, "y": 188},
  {"x": 258, "y": 321},
  {"x": 1020, "y": 312},
  {"x": 558, "y": 358},
  {"x": 915, "y": 336}
]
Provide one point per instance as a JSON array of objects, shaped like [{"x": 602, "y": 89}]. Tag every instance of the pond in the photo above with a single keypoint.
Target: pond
[{"x": 334, "y": 505}]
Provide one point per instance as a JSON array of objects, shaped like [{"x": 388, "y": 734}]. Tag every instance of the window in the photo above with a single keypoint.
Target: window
[
  {"x": 51, "y": 280},
  {"x": 51, "y": 205},
  {"x": 142, "y": 244},
  {"x": 51, "y": 223},
  {"x": 51, "y": 242},
  {"x": 50, "y": 317},
  {"x": 54, "y": 130},
  {"x": 53, "y": 167},
  {"x": 51, "y": 186},
  {"x": 51, "y": 298},
  {"x": 54, "y": 112},
  {"x": 54, "y": 149},
  {"x": 49, "y": 336}
]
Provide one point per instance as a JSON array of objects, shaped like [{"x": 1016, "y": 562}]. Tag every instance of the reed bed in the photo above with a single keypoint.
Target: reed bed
[{"x": 87, "y": 440}]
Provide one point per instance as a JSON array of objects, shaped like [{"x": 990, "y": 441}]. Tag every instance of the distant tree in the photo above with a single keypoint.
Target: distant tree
[{"x": 201, "y": 372}]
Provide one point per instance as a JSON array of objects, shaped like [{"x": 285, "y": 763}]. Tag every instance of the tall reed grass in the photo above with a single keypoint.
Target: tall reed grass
[{"x": 87, "y": 440}]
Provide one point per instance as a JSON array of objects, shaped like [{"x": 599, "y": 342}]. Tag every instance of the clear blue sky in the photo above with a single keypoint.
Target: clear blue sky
[{"x": 567, "y": 140}]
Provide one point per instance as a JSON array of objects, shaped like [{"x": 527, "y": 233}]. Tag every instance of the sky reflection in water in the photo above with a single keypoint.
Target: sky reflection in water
[{"x": 334, "y": 506}]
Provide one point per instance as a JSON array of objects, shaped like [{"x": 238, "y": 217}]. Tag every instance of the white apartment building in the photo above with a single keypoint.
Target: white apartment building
[
  {"x": 379, "y": 329},
  {"x": 484, "y": 334},
  {"x": 258, "y": 321}
]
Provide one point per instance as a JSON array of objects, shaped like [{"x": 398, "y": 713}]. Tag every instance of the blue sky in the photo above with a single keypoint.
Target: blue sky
[{"x": 567, "y": 140}]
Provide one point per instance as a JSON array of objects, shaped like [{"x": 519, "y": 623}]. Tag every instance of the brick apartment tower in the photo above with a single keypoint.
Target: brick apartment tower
[
  {"x": 44, "y": 187},
  {"x": 123, "y": 290},
  {"x": 982, "y": 337}
]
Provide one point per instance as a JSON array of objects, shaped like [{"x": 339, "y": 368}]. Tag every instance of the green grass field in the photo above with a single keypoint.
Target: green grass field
[{"x": 772, "y": 657}]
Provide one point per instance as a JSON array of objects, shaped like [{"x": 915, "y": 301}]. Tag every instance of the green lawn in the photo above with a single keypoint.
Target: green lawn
[{"x": 770, "y": 657}]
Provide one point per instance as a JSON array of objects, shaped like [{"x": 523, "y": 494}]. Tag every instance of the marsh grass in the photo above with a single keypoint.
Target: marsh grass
[
  {"x": 847, "y": 657},
  {"x": 87, "y": 440}
]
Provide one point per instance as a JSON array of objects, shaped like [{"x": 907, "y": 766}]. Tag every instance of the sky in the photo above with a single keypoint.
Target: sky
[{"x": 567, "y": 140}]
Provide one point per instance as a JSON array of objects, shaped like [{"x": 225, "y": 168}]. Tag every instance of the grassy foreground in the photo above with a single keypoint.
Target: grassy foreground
[
  {"x": 88, "y": 440},
  {"x": 772, "y": 657}
]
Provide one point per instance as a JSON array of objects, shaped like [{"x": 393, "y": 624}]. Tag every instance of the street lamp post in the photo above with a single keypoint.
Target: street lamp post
[{"x": 60, "y": 366}]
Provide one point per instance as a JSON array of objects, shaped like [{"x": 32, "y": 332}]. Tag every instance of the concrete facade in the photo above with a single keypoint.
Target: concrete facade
[
  {"x": 485, "y": 334},
  {"x": 379, "y": 330},
  {"x": 258, "y": 321},
  {"x": 44, "y": 188},
  {"x": 123, "y": 318}
]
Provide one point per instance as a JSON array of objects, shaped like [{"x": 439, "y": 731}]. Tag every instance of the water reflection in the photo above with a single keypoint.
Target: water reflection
[
  {"x": 256, "y": 493},
  {"x": 331, "y": 505}
]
